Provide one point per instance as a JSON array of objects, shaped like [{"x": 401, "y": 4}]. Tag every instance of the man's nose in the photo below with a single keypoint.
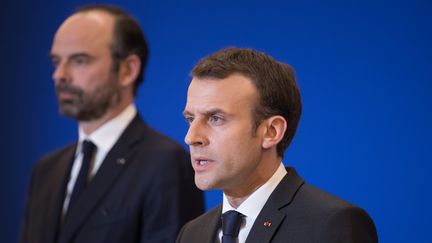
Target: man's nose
[
  {"x": 61, "y": 73},
  {"x": 196, "y": 135}
]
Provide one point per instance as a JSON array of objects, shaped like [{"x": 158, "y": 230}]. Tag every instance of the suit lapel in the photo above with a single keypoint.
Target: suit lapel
[
  {"x": 271, "y": 217},
  {"x": 114, "y": 163},
  {"x": 212, "y": 226},
  {"x": 208, "y": 227}
]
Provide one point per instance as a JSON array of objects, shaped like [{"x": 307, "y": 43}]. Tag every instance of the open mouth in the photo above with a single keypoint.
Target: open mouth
[{"x": 202, "y": 162}]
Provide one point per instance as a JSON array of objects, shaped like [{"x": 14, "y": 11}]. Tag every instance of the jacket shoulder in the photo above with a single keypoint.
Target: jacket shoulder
[
  {"x": 328, "y": 218},
  {"x": 147, "y": 138},
  {"x": 54, "y": 156}
]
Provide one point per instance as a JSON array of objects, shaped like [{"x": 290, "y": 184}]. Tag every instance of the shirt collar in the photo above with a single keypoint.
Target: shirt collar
[
  {"x": 252, "y": 206},
  {"x": 106, "y": 135}
]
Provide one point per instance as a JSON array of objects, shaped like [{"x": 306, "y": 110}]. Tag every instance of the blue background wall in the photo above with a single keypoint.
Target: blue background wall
[{"x": 364, "y": 68}]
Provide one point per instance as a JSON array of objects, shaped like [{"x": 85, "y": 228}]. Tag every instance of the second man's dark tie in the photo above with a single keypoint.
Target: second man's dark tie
[
  {"x": 231, "y": 222},
  {"x": 88, "y": 149}
]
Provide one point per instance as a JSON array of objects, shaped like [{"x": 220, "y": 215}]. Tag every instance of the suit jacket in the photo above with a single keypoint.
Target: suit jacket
[
  {"x": 144, "y": 191},
  {"x": 298, "y": 213}
]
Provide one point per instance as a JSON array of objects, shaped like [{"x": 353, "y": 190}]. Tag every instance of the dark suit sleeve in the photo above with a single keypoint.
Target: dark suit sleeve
[
  {"x": 179, "y": 237},
  {"x": 349, "y": 225},
  {"x": 172, "y": 200},
  {"x": 25, "y": 230},
  {"x": 29, "y": 231}
]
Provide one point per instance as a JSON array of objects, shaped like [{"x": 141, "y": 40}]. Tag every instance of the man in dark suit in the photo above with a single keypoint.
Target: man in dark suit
[
  {"x": 121, "y": 181},
  {"x": 243, "y": 108}
]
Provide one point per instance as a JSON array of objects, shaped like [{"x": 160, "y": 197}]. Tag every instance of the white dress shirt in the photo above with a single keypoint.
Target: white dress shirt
[
  {"x": 104, "y": 138},
  {"x": 252, "y": 206}
]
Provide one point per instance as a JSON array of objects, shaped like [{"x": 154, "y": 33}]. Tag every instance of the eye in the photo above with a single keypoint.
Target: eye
[
  {"x": 55, "y": 62},
  {"x": 214, "y": 119},
  {"x": 189, "y": 119},
  {"x": 81, "y": 60}
]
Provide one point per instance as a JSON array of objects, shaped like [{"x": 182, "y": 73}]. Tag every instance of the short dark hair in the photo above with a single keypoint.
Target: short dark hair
[
  {"x": 275, "y": 82},
  {"x": 128, "y": 38}
]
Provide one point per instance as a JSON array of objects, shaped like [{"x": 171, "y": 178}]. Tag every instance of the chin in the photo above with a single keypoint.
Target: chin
[
  {"x": 68, "y": 112},
  {"x": 204, "y": 184}
]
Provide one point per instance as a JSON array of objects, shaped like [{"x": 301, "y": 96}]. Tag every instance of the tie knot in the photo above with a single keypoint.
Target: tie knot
[
  {"x": 231, "y": 222},
  {"x": 88, "y": 148}
]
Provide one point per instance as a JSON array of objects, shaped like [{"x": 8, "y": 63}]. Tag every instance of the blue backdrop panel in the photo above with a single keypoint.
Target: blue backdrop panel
[{"x": 364, "y": 68}]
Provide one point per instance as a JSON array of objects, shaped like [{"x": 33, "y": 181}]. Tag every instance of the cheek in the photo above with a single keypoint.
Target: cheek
[
  {"x": 235, "y": 146},
  {"x": 234, "y": 153}
]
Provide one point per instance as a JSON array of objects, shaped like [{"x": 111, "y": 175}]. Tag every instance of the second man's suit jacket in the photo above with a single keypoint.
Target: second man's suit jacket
[
  {"x": 294, "y": 213},
  {"x": 144, "y": 191}
]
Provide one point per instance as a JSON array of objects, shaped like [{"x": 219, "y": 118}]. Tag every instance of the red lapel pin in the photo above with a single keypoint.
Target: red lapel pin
[{"x": 267, "y": 223}]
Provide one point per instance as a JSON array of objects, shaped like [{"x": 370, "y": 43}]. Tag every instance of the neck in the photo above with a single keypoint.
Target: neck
[{"x": 262, "y": 174}]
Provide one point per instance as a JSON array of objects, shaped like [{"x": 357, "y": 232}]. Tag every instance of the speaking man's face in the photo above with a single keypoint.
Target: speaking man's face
[{"x": 225, "y": 150}]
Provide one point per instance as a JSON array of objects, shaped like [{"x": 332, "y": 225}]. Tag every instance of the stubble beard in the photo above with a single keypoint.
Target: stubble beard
[{"x": 90, "y": 105}]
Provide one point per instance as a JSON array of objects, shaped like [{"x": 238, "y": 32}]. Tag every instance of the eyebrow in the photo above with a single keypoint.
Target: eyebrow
[
  {"x": 206, "y": 113},
  {"x": 80, "y": 54},
  {"x": 75, "y": 55},
  {"x": 186, "y": 113}
]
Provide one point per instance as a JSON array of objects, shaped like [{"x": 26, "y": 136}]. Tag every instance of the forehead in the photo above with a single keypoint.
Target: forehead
[
  {"x": 235, "y": 92},
  {"x": 87, "y": 31}
]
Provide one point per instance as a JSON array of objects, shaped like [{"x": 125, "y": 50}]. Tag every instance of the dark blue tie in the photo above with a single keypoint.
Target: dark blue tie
[
  {"x": 231, "y": 222},
  {"x": 88, "y": 149}
]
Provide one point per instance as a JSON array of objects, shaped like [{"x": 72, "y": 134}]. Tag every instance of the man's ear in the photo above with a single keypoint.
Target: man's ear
[
  {"x": 129, "y": 70},
  {"x": 274, "y": 132}
]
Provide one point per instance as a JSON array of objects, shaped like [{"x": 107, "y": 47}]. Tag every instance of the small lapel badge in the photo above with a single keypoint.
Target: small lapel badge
[
  {"x": 121, "y": 161},
  {"x": 267, "y": 224}
]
